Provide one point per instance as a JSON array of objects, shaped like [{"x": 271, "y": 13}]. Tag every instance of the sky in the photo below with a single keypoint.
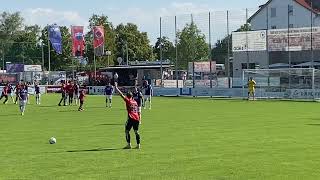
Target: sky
[{"x": 145, "y": 13}]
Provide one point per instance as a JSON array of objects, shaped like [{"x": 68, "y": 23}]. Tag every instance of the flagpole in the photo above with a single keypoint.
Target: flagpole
[
  {"x": 94, "y": 58},
  {"x": 49, "y": 54},
  {"x": 72, "y": 53}
]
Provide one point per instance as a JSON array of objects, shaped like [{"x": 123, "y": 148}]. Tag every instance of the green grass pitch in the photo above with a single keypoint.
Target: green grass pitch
[{"x": 182, "y": 138}]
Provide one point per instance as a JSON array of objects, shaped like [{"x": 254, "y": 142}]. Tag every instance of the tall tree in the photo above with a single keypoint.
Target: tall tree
[
  {"x": 137, "y": 43},
  {"x": 191, "y": 46},
  {"x": 168, "y": 49},
  {"x": 109, "y": 34},
  {"x": 25, "y": 47},
  {"x": 11, "y": 24},
  {"x": 58, "y": 62}
]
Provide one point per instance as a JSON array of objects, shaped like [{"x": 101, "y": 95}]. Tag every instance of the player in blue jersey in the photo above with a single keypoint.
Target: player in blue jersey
[
  {"x": 37, "y": 94},
  {"x": 26, "y": 87},
  {"x": 108, "y": 92},
  {"x": 23, "y": 97},
  {"x": 138, "y": 97},
  {"x": 148, "y": 92}
]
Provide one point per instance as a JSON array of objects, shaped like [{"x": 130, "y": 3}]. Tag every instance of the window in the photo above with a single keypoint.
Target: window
[
  {"x": 244, "y": 66},
  {"x": 290, "y": 25},
  {"x": 273, "y": 27},
  {"x": 251, "y": 66},
  {"x": 273, "y": 12},
  {"x": 290, "y": 10}
]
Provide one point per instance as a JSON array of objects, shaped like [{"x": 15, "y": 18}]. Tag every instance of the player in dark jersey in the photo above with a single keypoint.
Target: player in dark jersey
[
  {"x": 76, "y": 91},
  {"x": 17, "y": 90},
  {"x": 148, "y": 92},
  {"x": 81, "y": 98},
  {"x": 23, "y": 96},
  {"x": 138, "y": 97},
  {"x": 133, "y": 118},
  {"x": 108, "y": 92},
  {"x": 63, "y": 95},
  {"x": 10, "y": 92},
  {"x": 37, "y": 94},
  {"x": 70, "y": 92},
  {"x": 4, "y": 94}
]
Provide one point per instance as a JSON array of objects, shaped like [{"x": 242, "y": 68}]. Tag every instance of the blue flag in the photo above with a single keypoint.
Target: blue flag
[{"x": 55, "y": 38}]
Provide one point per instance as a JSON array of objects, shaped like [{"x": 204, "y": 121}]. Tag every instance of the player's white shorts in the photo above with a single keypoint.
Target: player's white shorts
[
  {"x": 139, "y": 109},
  {"x": 23, "y": 102},
  {"x": 109, "y": 96},
  {"x": 147, "y": 97}
]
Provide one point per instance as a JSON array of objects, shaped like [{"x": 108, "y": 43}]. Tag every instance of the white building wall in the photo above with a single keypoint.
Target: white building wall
[{"x": 301, "y": 16}]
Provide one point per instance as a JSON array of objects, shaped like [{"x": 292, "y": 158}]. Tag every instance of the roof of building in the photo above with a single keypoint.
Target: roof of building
[
  {"x": 136, "y": 67},
  {"x": 304, "y": 3}
]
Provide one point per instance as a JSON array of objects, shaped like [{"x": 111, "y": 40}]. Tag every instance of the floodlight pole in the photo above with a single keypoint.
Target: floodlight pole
[
  {"x": 49, "y": 56},
  {"x": 228, "y": 51},
  {"x": 3, "y": 57},
  {"x": 311, "y": 40},
  {"x": 127, "y": 53},
  {"x": 161, "y": 68}
]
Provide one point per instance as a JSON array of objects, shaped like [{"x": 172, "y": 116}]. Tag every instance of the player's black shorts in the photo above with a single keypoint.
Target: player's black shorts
[
  {"x": 132, "y": 124},
  {"x": 3, "y": 96}
]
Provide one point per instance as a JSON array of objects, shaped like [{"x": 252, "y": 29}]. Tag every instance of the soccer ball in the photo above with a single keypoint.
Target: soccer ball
[{"x": 52, "y": 140}]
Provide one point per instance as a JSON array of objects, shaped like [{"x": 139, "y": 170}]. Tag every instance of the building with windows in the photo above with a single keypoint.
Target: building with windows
[
  {"x": 285, "y": 18},
  {"x": 281, "y": 14}
]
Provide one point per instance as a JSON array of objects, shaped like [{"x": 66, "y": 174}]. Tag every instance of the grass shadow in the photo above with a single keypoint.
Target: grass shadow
[
  {"x": 315, "y": 119},
  {"x": 94, "y": 150},
  {"x": 9, "y": 115},
  {"x": 313, "y": 124},
  {"x": 110, "y": 124}
]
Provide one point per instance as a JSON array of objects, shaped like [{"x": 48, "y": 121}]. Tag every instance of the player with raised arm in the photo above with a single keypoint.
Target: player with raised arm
[
  {"x": 133, "y": 118},
  {"x": 138, "y": 97},
  {"x": 148, "y": 92},
  {"x": 23, "y": 96},
  {"x": 251, "y": 88},
  {"x": 108, "y": 92}
]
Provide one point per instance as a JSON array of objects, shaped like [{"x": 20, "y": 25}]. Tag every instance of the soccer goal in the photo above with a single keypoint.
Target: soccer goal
[{"x": 292, "y": 83}]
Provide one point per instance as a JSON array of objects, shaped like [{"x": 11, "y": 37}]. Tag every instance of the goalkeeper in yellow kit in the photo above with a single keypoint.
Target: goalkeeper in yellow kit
[{"x": 251, "y": 88}]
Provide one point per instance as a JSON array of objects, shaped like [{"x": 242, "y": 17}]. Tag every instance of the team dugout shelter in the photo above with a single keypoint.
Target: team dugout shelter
[{"x": 136, "y": 72}]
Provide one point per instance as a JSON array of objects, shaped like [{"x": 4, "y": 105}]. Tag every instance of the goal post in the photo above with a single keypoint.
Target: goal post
[{"x": 291, "y": 83}]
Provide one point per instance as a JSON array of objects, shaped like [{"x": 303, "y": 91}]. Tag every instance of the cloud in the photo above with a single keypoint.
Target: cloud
[
  {"x": 176, "y": 8},
  {"x": 44, "y": 16},
  {"x": 146, "y": 19}
]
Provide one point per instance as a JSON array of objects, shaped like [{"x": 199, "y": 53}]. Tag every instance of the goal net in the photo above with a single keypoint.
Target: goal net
[{"x": 294, "y": 83}]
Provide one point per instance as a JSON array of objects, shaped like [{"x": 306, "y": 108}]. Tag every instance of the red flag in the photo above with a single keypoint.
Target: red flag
[
  {"x": 98, "y": 40},
  {"x": 78, "y": 44}
]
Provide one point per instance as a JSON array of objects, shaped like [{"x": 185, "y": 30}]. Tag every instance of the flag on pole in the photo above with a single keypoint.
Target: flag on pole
[
  {"x": 55, "y": 38},
  {"x": 78, "y": 44},
  {"x": 98, "y": 40}
]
